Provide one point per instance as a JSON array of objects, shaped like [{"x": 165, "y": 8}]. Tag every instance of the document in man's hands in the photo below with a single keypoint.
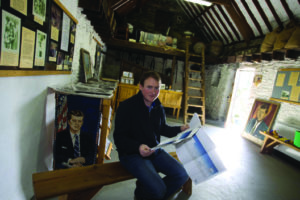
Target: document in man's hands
[
  {"x": 199, "y": 157},
  {"x": 194, "y": 124},
  {"x": 180, "y": 137}
]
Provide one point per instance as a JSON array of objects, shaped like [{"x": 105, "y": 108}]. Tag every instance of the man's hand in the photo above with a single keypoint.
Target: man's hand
[
  {"x": 145, "y": 150},
  {"x": 184, "y": 127},
  {"x": 76, "y": 165},
  {"x": 76, "y": 161}
]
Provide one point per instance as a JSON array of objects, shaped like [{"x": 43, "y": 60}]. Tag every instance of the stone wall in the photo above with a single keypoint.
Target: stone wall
[{"x": 218, "y": 88}]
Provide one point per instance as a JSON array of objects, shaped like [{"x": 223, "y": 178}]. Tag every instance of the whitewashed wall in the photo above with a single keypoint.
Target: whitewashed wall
[
  {"x": 288, "y": 118},
  {"x": 25, "y": 147},
  {"x": 288, "y": 113}
]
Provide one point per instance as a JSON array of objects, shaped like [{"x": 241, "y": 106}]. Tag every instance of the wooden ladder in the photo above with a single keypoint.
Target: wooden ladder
[{"x": 194, "y": 84}]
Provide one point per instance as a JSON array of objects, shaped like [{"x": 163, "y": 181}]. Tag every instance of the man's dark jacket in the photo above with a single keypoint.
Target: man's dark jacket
[
  {"x": 64, "y": 150},
  {"x": 135, "y": 125}
]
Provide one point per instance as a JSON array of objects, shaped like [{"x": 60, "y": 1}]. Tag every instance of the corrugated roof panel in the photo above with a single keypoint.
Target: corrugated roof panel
[
  {"x": 258, "y": 16},
  {"x": 269, "y": 14},
  {"x": 295, "y": 7},
  {"x": 226, "y": 24},
  {"x": 242, "y": 38},
  {"x": 222, "y": 29},
  {"x": 248, "y": 18},
  {"x": 280, "y": 11}
]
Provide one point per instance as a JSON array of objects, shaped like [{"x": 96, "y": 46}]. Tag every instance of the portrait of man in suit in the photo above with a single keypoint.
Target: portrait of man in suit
[
  {"x": 74, "y": 147},
  {"x": 258, "y": 124},
  {"x": 261, "y": 118}
]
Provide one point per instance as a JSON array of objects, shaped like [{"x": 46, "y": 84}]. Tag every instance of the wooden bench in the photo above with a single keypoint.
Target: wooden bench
[
  {"x": 83, "y": 182},
  {"x": 270, "y": 142}
]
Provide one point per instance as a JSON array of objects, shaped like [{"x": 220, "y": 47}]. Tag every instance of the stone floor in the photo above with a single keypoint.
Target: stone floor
[{"x": 249, "y": 174}]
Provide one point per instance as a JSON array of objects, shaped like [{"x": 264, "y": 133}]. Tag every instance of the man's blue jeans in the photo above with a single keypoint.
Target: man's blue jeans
[{"x": 150, "y": 184}]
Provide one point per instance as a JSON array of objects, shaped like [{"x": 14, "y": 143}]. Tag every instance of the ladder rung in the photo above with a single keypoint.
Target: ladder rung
[
  {"x": 195, "y": 88},
  {"x": 198, "y": 71},
  {"x": 193, "y": 62},
  {"x": 195, "y": 105},
  {"x": 196, "y": 79},
  {"x": 191, "y": 114},
  {"x": 196, "y": 97},
  {"x": 195, "y": 55}
]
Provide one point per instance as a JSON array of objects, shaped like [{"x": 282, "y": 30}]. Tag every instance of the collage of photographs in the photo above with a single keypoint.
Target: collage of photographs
[{"x": 36, "y": 34}]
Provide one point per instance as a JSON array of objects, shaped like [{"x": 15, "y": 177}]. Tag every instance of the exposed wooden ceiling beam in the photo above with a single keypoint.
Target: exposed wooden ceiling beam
[
  {"x": 253, "y": 18},
  {"x": 220, "y": 2},
  {"x": 211, "y": 34},
  {"x": 188, "y": 13},
  {"x": 271, "y": 7},
  {"x": 222, "y": 23},
  {"x": 240, "y": 21},
  {"x": 287, "y": 9},
  {"x": 218, "y": 27},
  {"x": 224, "y": 15},
  {"x": 262, "y": 14}
]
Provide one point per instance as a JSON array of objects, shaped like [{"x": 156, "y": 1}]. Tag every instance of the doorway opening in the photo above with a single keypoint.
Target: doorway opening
[{"x": 241, "y": 101}]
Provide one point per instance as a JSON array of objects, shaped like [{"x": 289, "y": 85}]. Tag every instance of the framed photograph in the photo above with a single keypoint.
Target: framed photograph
[
  {"x": 56, "y": 17},
  {"x": 97, "y": 62},
  {"x": 53, "y": 51},
  {"x": 10, "y": 43},
  {"x": 40, "y": 48},
  {"x": 261, "y": 118},
  {"x": 86, "y": 63},
  {"x": 39, "y": 9}
]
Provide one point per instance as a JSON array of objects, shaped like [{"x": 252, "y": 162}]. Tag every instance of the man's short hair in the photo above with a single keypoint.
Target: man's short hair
[
  {"x": 76, "y": 113},
  {"x": 265, "y": 106},
  {"x": 149, "y": 74}
]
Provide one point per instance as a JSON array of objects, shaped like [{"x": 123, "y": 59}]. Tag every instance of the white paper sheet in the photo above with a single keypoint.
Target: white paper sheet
[
  {"x": 195, "y": 125},
  {"x": 199, "y": 157}
]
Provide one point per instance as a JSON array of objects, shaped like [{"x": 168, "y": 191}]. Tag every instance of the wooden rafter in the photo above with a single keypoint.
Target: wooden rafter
[
  {"x": 263, "y": 15},
  {"x": 253, "y": 18},
  {"x": 287, "y": 9},
  {"x": 220, "y": 2},
  {"x": 191, "y": 15},
  {"x": 218, "y": 27},
  {"x": 208, "y": 27},
  {"x": 240, "y": 21},
  {"x": 224, "y": 15},
  {"x": 197, "y": 7},
  {"x": 213, "y": 8},
  {"x": 274, "y": 13},
  {"x": 213, "y": 27}
]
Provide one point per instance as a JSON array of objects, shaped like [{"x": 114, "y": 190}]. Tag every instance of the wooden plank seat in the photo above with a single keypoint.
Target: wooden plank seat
[
  {"x": 270, "y": 142},
  {"x": 87, "y": 180}
]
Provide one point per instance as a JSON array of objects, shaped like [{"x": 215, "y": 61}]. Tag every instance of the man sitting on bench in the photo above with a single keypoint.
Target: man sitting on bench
[{"x": 139, "y": 123}]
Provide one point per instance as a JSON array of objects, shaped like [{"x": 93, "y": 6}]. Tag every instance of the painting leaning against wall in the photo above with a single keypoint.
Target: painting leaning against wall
[{"x": 261, "y": 118}]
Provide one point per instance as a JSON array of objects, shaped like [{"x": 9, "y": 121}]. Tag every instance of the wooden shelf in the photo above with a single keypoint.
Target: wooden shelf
[
  {"x": 270, "y": 142},
  {"x": 143, "y": 48},
  {"x": 10, "y": 73}
]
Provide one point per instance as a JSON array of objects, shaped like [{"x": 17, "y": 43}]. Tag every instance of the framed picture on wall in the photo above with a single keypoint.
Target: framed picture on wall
[
  {"x": 261, "y": 118},
  {"x": 86, "y": 64}
]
